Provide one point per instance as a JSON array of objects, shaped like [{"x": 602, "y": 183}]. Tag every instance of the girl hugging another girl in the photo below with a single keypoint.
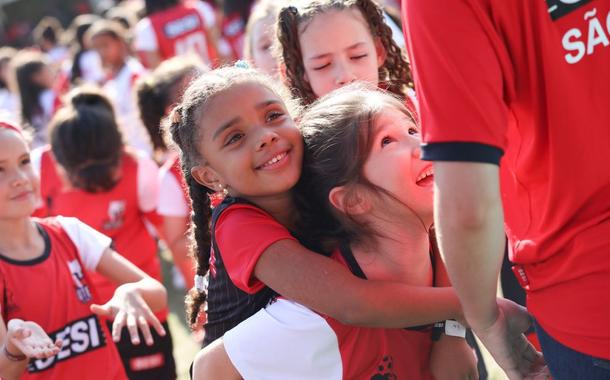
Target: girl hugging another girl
[{"x": 239, "y": 142}]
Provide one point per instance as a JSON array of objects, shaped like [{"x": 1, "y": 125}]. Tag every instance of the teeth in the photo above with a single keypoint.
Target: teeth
[
  {"x": 274, "y": 159},
  {"x": 425, "y": 174}
]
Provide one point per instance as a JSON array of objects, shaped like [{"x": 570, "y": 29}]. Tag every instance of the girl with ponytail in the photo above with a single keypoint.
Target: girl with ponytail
[{"x": 88, "y": 173}]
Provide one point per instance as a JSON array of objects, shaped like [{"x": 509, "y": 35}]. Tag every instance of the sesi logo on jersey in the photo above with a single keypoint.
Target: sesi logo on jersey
[
  {"x": 78, "y": 337},
  {"x": 181, "y": 26},
  {"x": 560, "y": 8}
]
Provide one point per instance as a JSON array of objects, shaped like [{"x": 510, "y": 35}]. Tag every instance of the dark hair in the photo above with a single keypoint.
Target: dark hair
[
  {"x": 338, "y": 133},
  {"x": 86, "y": 141},
  {"x": 76, "y": 36},
  {"x": 184, "y": 126},
  {"x": 394, "y": 74},
  {"x": 154, "y": 6},
  {"x": 25, "y": 65},
  {"x": 48, "y": 29},
  {"x": 161, "y": 89}
]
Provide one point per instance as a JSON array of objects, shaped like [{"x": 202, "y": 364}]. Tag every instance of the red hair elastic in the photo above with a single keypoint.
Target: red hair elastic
[{"x": 6, "y": 125}]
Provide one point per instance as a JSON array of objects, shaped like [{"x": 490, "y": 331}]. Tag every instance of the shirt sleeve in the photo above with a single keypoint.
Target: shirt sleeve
[
  {"x": 172, "y": 200},
  {"x": 459, "y": 75},
  {"x": 144, "y": 36},
  {"x": 243, "y": 233},
  {"x": 148, "y": 183},
  {"x": 90, "y": 243},
  {"x": 284, "y": 341}
]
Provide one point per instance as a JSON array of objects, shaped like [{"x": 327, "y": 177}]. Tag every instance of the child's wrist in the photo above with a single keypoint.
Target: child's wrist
[{"x": 12, "y": 353}]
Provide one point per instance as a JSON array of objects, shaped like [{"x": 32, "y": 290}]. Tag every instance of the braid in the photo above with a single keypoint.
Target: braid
[
  {"x": 395, "y": 73},
  {"x": 200, "y": 244},
  {"x": 288, "y": 36}
]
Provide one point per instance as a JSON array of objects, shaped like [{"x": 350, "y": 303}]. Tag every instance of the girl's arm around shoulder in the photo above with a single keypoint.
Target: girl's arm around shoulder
[{"x": 328, "y": 287}]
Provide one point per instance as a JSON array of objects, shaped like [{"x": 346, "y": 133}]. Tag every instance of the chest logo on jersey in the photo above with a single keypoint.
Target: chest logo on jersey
[
  {"x": 181, "y": 26},
  {"x": 78, "y": 337},
  {"x": 385, "y": 370},
  {"x": 588, "y": 39},
  {"x": 82, "y": 290},
  {"x": 116, "y": 215},
  {"x": 560, "y": 8}
]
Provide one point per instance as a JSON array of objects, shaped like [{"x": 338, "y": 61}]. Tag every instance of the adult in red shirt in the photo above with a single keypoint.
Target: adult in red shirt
[{"x": 526, "y": 80}]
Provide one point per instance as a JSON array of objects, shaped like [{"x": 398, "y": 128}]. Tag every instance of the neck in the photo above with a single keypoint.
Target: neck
[
  {"x": 280, "y": 206},
  {"x": 19, "y": 238},
  {"x": 399, "y": 253}
]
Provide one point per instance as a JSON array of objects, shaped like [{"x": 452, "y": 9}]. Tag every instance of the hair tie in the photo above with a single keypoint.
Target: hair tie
[
  {"x": 201, "y": 283},
  {"x": 7, "y": 125},
  {"x": 241, "y": 64}
]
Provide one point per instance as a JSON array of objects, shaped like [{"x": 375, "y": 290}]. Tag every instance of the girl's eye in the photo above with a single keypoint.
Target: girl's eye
[
  {"x": 413, "y": 131},
  {"x": 234, "y": 138},
  {"x": 317, "y": 68},
  {"x": 25, "y": 161},
  {"x": 359, "y": 56},
  {"x": 274, "y": 115},
  {"x": 386, "y": 140}
]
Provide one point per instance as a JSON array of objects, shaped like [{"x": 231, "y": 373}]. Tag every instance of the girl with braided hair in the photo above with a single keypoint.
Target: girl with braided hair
[
  {"x": 326, "y": 44},
  {"x": 376, "y": 220}
]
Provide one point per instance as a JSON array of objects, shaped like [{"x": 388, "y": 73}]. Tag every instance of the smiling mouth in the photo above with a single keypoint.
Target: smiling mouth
[
  {"x": 22, "y": 196},
  {"x": 274, "y": 161},
  {"x": 425, "y": 177}
]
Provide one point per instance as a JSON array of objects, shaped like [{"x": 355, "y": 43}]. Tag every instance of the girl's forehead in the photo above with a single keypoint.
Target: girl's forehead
[
  {"x": 235, "y": 101},
  {"x": 12, "y": 139}
]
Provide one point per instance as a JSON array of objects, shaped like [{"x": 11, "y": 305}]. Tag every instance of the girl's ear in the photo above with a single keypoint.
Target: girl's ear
[
  {"x": 349, "y": 201},
  {"x": 382, "y": 53},
  {"x": 208, "y": 177}
]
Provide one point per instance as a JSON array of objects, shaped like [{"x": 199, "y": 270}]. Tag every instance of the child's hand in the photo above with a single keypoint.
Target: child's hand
[
  {"x": 29, "y": 339},
  {"x": 128, "y": 308},
  {"x": 453, "y": 359}
]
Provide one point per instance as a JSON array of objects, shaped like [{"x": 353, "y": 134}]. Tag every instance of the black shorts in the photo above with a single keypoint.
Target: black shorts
[{"x": 143, "y": 362}]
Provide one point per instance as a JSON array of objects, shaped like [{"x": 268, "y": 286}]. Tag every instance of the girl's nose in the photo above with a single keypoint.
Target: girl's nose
[
  {"x": 267, "y": 137},
  {"x": 343, "y": 75},
  {"x": 416, "y": 152}
]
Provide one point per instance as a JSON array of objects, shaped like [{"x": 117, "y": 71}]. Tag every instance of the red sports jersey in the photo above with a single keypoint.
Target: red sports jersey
[
  {"x": 182, "y": 29},
  {"x": 530, "y": 79},
  {"x": 55, "y": 291},
  {"x": 115, "y": 213}
]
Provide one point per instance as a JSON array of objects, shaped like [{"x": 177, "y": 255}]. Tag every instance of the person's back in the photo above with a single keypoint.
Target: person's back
[{"x": 529, "y": 80}]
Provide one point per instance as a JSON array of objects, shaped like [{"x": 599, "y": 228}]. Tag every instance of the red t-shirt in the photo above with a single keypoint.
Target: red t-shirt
[
  {"x": 243, "y": 232},
  {"x": 55, "y": 291},
  {"x": 529, "y": 79},
  {"x": 115, "y": 213}
]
